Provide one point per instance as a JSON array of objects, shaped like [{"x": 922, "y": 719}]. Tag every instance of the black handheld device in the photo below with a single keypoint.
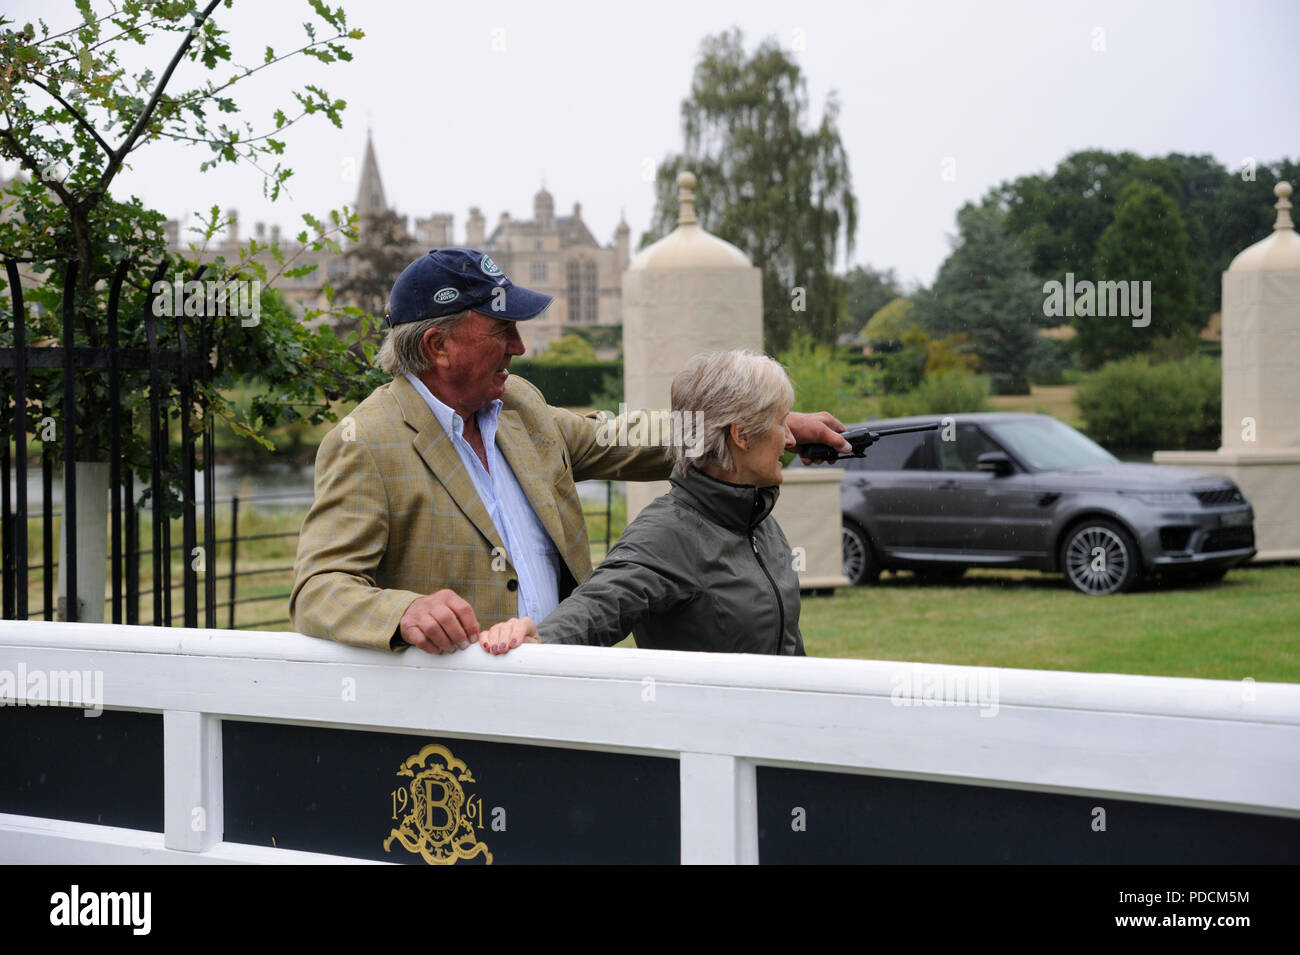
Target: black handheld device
[{"x": 860, "y": 439}]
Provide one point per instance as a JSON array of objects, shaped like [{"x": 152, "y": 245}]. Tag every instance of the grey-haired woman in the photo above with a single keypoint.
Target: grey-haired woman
[{"x": 704, "y": 567}]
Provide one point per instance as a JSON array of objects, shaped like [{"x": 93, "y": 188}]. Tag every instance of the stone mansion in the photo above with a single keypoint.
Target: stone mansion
[{"x": 555, "y": 254}]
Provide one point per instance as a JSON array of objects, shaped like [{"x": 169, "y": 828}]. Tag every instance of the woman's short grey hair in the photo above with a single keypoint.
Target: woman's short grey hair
[
  {"x": 719, "y": 389},
  {"x": 402, "y": 352}
]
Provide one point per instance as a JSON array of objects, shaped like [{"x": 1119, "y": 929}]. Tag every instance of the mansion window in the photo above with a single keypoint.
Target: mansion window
[
  {"x": 590, "y": 303},
  {"x": 581, "y": 291},
  {"x": 537, "y": 272},
  {"x": 573, "y": 291}
]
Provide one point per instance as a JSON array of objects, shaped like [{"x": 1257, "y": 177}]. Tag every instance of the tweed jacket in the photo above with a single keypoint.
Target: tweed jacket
[{"x": 397, "y": 516}]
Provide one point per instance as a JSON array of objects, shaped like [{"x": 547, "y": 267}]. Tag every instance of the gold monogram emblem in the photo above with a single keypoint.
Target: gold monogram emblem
[{"x": 441, "y": 818}]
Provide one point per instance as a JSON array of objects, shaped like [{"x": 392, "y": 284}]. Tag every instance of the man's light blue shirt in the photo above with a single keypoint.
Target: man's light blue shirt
[{"x": 529, "y": 547}]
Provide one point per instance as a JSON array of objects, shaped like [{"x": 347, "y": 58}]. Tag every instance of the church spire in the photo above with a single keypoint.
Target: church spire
[{"x": 370, "y": 192}]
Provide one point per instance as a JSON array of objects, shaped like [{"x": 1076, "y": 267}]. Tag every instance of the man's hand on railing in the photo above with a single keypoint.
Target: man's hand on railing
[
  {"x": 505, "y": 636},
  {"x": 442, "y": 622}
]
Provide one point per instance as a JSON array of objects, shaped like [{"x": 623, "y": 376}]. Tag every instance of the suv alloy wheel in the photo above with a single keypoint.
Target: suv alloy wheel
[
  {"x": 1100, "y": 558},
  {"x": 860, "y": 565}
]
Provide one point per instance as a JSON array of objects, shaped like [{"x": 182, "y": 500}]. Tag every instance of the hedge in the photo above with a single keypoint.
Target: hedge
[
  {"x": 1134, "y": 404},
  {"x": 570, "y": 385}
]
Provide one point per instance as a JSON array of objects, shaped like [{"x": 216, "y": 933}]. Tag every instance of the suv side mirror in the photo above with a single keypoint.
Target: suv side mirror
[{"x": 995, "y": 461}]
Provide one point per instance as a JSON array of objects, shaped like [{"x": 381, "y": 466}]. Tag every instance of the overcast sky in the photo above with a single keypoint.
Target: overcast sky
[{"x": 473, "y": 104}]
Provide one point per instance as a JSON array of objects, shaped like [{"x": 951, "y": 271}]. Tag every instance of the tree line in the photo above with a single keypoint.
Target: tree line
[{"x": 779, "y": 188}]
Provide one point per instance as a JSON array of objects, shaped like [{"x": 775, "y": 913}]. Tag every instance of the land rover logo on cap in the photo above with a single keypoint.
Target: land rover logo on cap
[
  {"x": 445, "y": 295},
  {"x": 488, "y": 266}
]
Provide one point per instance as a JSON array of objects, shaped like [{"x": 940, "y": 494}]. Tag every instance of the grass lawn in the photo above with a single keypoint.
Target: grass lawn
[
  {"x": 1246, "y": 626},
  {"x": 1055, "y": 400}
]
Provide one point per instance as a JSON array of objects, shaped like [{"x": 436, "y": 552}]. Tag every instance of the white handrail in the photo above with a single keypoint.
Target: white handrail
[
  {"x": 1152, "y": 695},
  {"x": 1205, "y": 743}
]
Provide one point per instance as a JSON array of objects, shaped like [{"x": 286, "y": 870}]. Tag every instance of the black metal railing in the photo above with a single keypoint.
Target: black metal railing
[
  {"x": 226, "y": 551},
  {"x": 172, "y": 373},
  {"x": 223, "y": 548}
]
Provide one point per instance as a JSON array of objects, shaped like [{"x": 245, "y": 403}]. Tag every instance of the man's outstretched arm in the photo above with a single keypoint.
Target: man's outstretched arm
[
  {"x": 610, "y": 448},
  {"x": 819, "y": 427}
]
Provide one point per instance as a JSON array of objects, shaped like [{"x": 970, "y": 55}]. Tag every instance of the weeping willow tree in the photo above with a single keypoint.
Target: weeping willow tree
[{"x": 770, "y": 182}]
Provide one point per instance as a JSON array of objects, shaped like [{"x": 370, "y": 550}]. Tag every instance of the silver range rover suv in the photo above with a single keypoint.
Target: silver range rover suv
[{"x": 1025, "y": 490}]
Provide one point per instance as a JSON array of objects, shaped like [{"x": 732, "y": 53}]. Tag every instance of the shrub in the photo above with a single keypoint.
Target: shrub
[
  {"x": 890, "y": 324},
  {"x": 951, "y": 353},
  {"x": 943, "y": 392},
  {"x": 1134, "y": 404},
  {"x": 611, "y": 392},
  {"x": 821, "y": 378},
  {"x": 903, "y": 370},
  {"x": 567, "y": 385},
  {"x": 1010, "y": 384},
  {"x": 922, "y": 355},
  {"x": 1052, "y": 362},
  {"x": 1184, "y": 343},
  {"x": 568, "y": 350}
]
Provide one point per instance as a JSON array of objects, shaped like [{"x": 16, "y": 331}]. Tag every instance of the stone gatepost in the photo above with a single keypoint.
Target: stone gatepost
[
  {"x": 1261, "y": 386},
  {"x": 692, "y": 292}
]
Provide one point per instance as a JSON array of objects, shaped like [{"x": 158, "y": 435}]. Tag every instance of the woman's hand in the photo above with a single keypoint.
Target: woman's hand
[{"x": 505, "y": 636}]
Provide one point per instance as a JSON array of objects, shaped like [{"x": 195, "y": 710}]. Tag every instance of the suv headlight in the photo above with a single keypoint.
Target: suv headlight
[{"x": 1185, "y": 499}]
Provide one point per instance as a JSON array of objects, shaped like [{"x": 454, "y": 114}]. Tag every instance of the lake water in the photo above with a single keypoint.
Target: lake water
[{"x": 276, "y": 485}]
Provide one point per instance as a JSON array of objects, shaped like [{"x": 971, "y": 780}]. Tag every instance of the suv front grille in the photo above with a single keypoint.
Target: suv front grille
[{"x": 1220, "y": 496}]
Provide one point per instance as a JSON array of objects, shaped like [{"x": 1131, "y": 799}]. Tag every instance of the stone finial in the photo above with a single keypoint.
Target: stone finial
[
  {"x": 688, "y": 246},
  {"x": 686, "y": 199},
  {"x": 1283, "y": 206},
  {"x": 1280, "y": 249}
]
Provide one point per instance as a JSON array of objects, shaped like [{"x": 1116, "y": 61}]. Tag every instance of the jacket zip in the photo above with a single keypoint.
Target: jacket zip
[{"x": 780, "y": 633}]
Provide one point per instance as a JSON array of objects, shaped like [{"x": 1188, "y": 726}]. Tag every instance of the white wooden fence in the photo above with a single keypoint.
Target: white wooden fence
[{"x": 1198, "y": 743}]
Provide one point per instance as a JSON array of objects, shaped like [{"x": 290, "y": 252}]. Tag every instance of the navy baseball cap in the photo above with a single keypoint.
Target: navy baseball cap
[{"x": 448, "y": 281}]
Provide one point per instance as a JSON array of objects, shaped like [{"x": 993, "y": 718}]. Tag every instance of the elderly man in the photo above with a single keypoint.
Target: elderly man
[{"x": 446, "y": 500}]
